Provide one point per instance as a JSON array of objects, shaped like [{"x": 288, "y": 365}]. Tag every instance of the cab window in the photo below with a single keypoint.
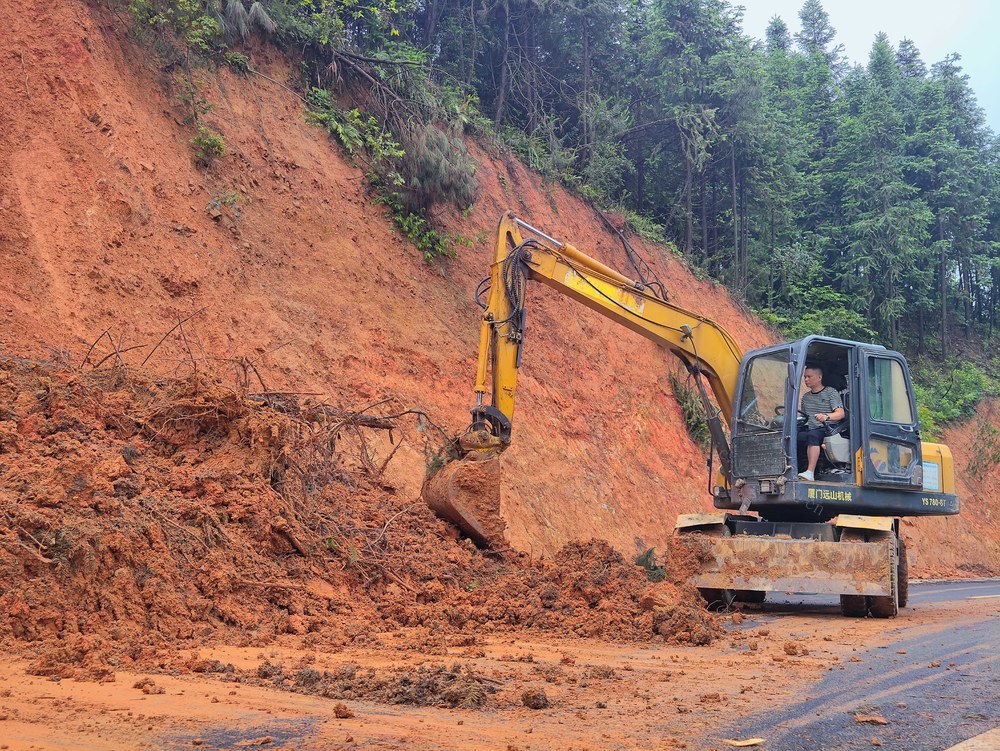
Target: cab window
[
  {"x": 888, "y": 397},
  {"x": 762, "y": 400}
]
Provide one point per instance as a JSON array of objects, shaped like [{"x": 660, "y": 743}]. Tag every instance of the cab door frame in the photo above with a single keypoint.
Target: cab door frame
[{"x": 897, "y": 437}]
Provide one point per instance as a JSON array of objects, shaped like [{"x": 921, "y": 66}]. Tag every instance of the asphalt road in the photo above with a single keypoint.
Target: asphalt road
[{"x": 926, "y": 707}]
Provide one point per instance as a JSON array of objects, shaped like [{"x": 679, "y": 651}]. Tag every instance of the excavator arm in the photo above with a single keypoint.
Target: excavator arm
[
  {"x": 524, "y": 254},
  {"x": 704, "y": 347}
]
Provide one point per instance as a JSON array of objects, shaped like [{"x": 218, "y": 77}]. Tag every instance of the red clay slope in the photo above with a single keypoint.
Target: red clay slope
[{"x": 104, "y": 225}]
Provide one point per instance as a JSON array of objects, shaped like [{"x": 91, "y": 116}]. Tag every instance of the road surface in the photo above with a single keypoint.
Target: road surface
[{"x": 933, "y": 688}]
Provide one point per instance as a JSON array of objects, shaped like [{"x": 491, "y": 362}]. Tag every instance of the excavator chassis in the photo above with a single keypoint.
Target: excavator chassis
[{"x": 863, "y": 566}]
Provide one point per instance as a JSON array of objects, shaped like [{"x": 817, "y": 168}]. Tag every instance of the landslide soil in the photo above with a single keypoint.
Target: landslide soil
[
  {"x": 146, "y": 518},
  {"x": 266, "y": 557},
  {"x": 599, "y": 695},
  {"x": 138, "y": 511},
  {"x": 108, "y": 224}
]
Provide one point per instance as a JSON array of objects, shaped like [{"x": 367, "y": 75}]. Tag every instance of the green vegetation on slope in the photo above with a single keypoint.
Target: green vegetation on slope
[{"x": 854, "y": 201}]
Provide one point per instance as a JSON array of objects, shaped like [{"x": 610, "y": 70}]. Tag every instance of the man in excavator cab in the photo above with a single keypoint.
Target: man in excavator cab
[{"x": 822, "y": 407}]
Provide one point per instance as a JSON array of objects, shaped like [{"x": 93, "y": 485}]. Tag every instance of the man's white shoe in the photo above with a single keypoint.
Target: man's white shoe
[{"x": 807, "y": 475}]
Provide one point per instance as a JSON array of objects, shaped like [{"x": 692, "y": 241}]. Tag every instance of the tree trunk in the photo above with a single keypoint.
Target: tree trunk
[
  {"x": 471, "y": 70},
  {"x": 772, "y": 254},
  {"x": 713, "y": 245},
  {"x": 920, "y": 332},
  {"x": 965, "y": 282},
  {"x": 434, "y": 10},
  {"x": 944, "y": 297},
  {"x": 704, "y": 217},
  {"x": 504, "y": 68},
  {"x": 744, "y": 238},
  {"x": 640, "y": 180},
  {"x": 736, "y": 213},
  {"x": 689, "y": 223},
  {"x": 585, "y": 113}
]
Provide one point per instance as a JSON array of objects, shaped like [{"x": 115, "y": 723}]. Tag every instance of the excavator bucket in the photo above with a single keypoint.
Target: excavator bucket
[{"x": 466, "y": 492}]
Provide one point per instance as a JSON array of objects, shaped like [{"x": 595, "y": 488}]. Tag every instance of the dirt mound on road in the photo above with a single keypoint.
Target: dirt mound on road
[{"x": 139, "y": 512}]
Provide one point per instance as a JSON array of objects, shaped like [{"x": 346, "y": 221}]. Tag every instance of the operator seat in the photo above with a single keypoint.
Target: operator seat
[{"x": 837, "y": 445}]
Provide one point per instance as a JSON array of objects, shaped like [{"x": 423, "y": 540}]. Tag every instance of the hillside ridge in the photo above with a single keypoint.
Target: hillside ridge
[{"x": 287, "y": 274}]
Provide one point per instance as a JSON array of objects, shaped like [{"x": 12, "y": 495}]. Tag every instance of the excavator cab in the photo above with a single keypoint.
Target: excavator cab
[{"x": 873, "y": 461}]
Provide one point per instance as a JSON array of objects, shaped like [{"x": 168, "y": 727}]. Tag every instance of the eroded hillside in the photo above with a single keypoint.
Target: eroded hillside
[{"x": 287, "y": 273}]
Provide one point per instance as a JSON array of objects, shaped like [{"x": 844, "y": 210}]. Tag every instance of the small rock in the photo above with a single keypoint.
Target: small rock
[
  {"x": 870, "y": 719},
  {"x": 535, "y": 698},
  {"x": 341, "y": 711},
  {"x": 901, "y": 651},
  {"x": 935, "y": 664},
  {"x": 876, "y": 742}
]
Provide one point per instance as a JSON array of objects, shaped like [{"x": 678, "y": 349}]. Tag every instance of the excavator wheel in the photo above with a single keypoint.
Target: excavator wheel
[
  {"x": 886, "y": 606},
  {"x": 903, "y": 575},
  {"x": 853, "y": 606},
  {"x": 750, "y": 595}
]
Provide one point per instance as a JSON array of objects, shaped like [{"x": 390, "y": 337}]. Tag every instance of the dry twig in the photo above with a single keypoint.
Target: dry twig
[
  {"x": 24, "y": 70},
  {"x": 172, "y": 329}
]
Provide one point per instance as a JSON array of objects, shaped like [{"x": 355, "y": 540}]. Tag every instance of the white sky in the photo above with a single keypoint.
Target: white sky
[{"x": 969, "y": 27}]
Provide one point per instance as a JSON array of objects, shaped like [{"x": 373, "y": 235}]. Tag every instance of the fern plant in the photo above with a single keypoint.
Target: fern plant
[{"x": 237, "y": 20}]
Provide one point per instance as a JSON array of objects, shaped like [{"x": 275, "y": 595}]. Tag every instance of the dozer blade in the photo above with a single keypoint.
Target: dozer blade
[
  {"x": 466, "y": 492},
  {"x": 769, "y": 564}
]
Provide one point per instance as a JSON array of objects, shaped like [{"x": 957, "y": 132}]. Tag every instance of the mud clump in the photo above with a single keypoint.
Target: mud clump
[
  {"x": 153, "y": 513},
  {"x": 435, "y": 686},
  {"x": 535, "y": 698},
  {"x": 589, "y": 589},
  {"x": 341, "y": 711},
  {"x": 684, "y": 624},
  {"x": 148, "y": 686}
]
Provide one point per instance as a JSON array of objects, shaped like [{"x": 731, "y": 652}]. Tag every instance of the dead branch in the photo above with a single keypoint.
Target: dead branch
[
  {"x": 390, "y": 520},
  {"x": 117, "y": 353},
  {"x": 24, "y": 70},
  {"x": 172, "y": 329},
  {"x": 92, "y": 346},
  {"x": 356, "y": 418},
  {"x": 278, "y": 83},
  {"x": 187, "y": 346},
  {"x": 34, "y": 553}
]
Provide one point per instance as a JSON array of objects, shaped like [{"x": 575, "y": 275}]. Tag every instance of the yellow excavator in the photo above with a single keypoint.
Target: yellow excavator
[{"x": 837, "y": 533}]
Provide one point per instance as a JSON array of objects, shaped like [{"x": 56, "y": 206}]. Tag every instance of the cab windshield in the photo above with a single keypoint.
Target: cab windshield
[{"x": 762, "y": 400}]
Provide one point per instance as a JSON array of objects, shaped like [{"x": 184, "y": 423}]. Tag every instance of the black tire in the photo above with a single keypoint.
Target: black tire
[
  {"x": 885, "y": 606},
  {"x": 903, "y": 575},
  {"x": 853, "y": 606},
  {"x": 717, "y": 599}
]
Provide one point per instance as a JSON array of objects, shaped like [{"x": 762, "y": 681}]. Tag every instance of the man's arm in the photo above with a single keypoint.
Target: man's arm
[{"x": 835, "y": 414}]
